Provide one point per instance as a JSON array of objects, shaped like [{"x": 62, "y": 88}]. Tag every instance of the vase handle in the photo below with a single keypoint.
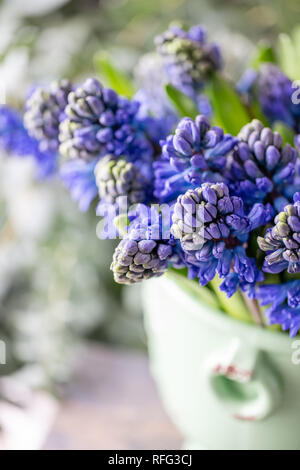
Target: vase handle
[{"x": 244, "y": 381}]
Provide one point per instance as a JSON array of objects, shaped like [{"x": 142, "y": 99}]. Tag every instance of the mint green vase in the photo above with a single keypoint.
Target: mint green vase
[{"x": 224, "y": 383}]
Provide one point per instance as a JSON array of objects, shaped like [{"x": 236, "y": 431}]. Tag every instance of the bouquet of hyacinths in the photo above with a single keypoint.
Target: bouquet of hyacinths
[{"x": 208, "y": 170}]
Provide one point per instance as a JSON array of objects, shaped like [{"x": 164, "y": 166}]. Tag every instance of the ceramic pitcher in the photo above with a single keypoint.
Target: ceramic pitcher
[{"x": 225, "y": 384}]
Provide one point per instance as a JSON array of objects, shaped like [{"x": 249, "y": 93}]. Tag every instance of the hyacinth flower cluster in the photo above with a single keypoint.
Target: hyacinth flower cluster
[
  {"x": 212, "y": 227},
  {"x": 217, "y": 202},
  {"x": 44, "y": 112},
  {"x": 261, "y": 168},
  {"x": 276, "y": 93},
  {"x": 99, "y": 122},
  {"x": 147, "y": 250},
  {"x": 196, "y": 153},
  {"x": 99, "y": 127},
  {"x": 281, "y": 245},
  {"x": 188, "y": 57},
  {"x": 282, "y": 241}
]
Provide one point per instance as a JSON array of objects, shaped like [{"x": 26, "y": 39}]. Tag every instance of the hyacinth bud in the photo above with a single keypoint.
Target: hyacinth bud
[
  {"x": 135, "y": 261},
  {"x": 195, "y": 154},
  {"x": 189, "y": 59},
  {"x": 117, "y": 177},
  {"x": 282, "y": 241},
  {"x": 209, "y": 214},
  {"x": 44, "y": 110},
  {"x": 212, "y": 228},
  {"x": 99, "y": 122},
  {"x": 144, "y": 253},
  {"x": 260, "y": 162},
  {"x": 197, "y": 145}
]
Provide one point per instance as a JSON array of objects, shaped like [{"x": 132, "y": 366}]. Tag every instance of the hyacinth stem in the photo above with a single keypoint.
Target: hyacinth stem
[
  {"x": 233, "y": 306},
  {"x": 254, "y": 309}
]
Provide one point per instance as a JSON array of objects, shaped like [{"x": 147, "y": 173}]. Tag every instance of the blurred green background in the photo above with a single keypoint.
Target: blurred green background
[{"x": 56, "y": 289}]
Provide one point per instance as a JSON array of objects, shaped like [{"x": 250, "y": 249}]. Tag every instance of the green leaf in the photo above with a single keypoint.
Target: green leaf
[
  {"x": 235, "y": 305},
  {"x": 228, "y": 108},
  {"x": 112, "y": 76},
  {"x": 263, "y": 53},
  {"x": 287, "y": 56},
  {"x": 296, "y": 40},
  {"x": 286, "y": 132},
  {"x": 181, "y": 102},
  {"x": 203, "y": 294}
]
